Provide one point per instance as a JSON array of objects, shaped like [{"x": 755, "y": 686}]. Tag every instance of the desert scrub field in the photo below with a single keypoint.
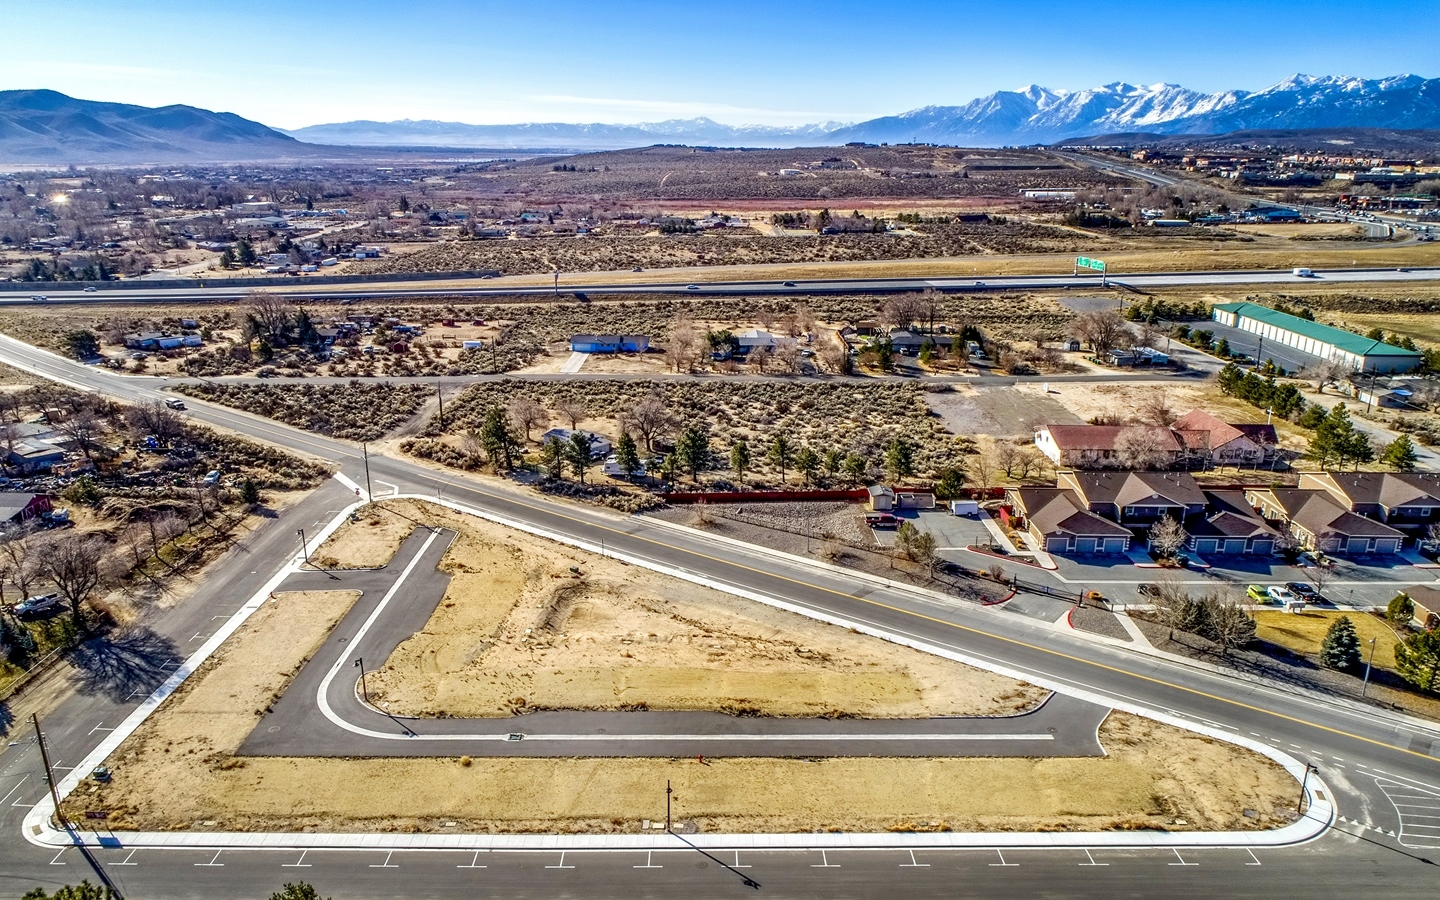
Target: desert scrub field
[
  {"x": 831, "y": 175},
  {"x": 358, "y": 411},
  {"x": 607, "y": 252},
  {"x": 852, "y": 418}
]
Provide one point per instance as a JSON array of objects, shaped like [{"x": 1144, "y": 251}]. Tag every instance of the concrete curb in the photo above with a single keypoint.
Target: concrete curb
[{"x": 37, "y": 828}]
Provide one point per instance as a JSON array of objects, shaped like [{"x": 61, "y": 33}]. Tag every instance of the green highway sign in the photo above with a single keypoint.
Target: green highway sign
[{"x": 1085, "y": 262}]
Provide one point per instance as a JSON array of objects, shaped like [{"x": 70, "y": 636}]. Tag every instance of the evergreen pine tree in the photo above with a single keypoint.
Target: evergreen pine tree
[{"x": 1341, "y": 647}]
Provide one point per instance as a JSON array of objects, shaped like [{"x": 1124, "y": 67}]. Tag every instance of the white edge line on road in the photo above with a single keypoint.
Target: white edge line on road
[{"x": 38, "y": 830}]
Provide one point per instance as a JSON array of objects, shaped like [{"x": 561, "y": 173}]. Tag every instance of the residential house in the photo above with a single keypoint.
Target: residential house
[
  {"x": 1209, "y": 441},
  {"x": 1136, "y": 499},
  {"x": 1409, "y": 501},
  {"x": 908, "y": 343},
  {"x": 1317, "y": 520},
  {"x": 30, "y": 455},
  {"x": 1230, "y": 527},
  {"x": 16, "y": 507},
  {"x": 609, "y": 343},
  {"x": 754, "y": 339},
  {"x": 600, "y": 446},
  {"x": 1060, "y": 522},
  {"x": 1427, "y": 607},
  {"x": 1102, "y": 446}
]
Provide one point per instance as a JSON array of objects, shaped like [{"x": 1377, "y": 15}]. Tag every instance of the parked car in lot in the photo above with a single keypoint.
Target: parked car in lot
[
  {"x": 1304, "y": 591},
  {"x": 881, "y": 520},
  {"x": 1256, "y": 592},
  {"x": 1281, "y": 595},
  {"x": 38, "y": 604}
]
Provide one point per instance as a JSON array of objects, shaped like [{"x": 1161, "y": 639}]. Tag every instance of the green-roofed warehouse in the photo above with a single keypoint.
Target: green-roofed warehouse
[{"x": 1364, "y": 354}]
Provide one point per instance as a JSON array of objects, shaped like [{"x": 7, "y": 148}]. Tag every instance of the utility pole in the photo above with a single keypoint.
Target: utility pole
[
  {"x": 1365, "y": 685},
  {"x": 50, "y": 775},
  {"x": 303, "y": 547},
  {"x": 667, "y": 805},
  {"x": 364, "y": 691},
  {"x": 369, "y": 494},
  {"x": 557, "y": 282},
  {"x": 440, "y": 397}
]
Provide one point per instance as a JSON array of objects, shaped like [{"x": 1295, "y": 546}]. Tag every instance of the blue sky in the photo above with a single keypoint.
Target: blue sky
[{"x": 305, "y": 62}]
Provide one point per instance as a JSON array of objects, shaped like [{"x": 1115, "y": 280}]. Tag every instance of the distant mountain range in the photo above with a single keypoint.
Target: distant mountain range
[
  {"x": 559, "y": 135},
  {"x": 50, "y": 127},
  {"x": 1035, "y": 115},
  {"x": 46, "y": 127}
]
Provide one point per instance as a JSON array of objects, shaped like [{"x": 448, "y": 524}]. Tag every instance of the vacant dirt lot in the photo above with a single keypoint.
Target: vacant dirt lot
[
  {"x": 518, "y": 631},
  {"x": 179, "y": 772}
]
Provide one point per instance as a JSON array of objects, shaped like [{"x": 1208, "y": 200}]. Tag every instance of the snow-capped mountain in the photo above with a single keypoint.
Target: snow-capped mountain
[{"x": 1039, "y": 115}]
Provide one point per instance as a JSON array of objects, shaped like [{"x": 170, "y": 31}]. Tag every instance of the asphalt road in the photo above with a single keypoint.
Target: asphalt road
[
  {"x": 406, "y": 592},
  {"x": 1373, "y": 762},
  {"x": 229, "y": 291}
]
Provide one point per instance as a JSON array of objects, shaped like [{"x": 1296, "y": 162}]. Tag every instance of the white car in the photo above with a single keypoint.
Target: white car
[
  {"x": 38, "y": 604},
  {"x": 92, "y": 289},
  {"x": 1281, "y": 595}
]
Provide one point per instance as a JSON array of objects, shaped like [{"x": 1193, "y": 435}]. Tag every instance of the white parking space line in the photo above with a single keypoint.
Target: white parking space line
[
  {"x": 214, "y": 860},
  {"x": 649, "y": 861},
  {"x": 297, "y": 864},
  {"x": 561, "y": 864},
  {"x": 15, "y": 788},
  {"x": 912, "y": 864},
  {"x": 386, "y": 864},
  {"x": 1091, "y": 860},
  {"x": 824, "y": 863},
  {"x": 1182, "y": 861},
  {"x": 126, "y": 861},
  {"x": 474, "y": 863},
  {"x": 1002, "y": 863}
]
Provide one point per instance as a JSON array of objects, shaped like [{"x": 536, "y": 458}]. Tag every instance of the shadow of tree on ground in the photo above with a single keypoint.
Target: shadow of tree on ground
[{"x": 117, "y": 666}]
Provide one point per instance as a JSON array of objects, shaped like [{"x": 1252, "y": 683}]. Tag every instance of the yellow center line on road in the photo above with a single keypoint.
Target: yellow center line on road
[{"x": 1019, "y": 643}]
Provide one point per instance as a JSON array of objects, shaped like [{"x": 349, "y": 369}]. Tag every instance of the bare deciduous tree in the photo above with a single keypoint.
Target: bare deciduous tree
[
  {"x": 83, "y": 428},
  {"x": 1325, "y": 372},
  {"x": 683, "y": 343},
  {"x": 759, "y": 359},
  {"x": 572, "y": 411},
  {"x": 1102, "y": 329},
  {"x": 1156, "y": 409},
  {"x": 526, "y": 413},
  {"x": 804, "y": 319},
  {"x": 1167, "y": 536},
  {"x": 154, "y": 418},
  {"x": 72, "y": 561},
  {"x": 650, "y": 418},
  {"x": 1141, "y": 447},
  {"x": 787, "y": 358},
  {"x": 907, "y": 310},
  {"x": 270, "y": 315}
]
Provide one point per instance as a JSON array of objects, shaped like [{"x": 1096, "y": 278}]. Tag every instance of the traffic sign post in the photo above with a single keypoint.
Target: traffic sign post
[{"x": 1085, "y": 262}]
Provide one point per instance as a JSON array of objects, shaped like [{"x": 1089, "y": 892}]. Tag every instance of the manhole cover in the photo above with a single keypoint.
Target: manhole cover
[
  {"x": 273, "y": 728},
  {"x": 702, "y": 864}
]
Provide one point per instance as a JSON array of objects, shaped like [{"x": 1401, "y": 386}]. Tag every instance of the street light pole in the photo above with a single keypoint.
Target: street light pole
[
  {"x": 1304, "y": 782},
  {"x": 304, "y": 548},
  {"x": 364, "y": 691},
  {"x": 667, "y": 805},
  {"x": 440, "y": 397},
  {"x": 369, "y": 494},
  {"x": 1365, "y": 685},
  {"x": 49, "y": 774}
]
